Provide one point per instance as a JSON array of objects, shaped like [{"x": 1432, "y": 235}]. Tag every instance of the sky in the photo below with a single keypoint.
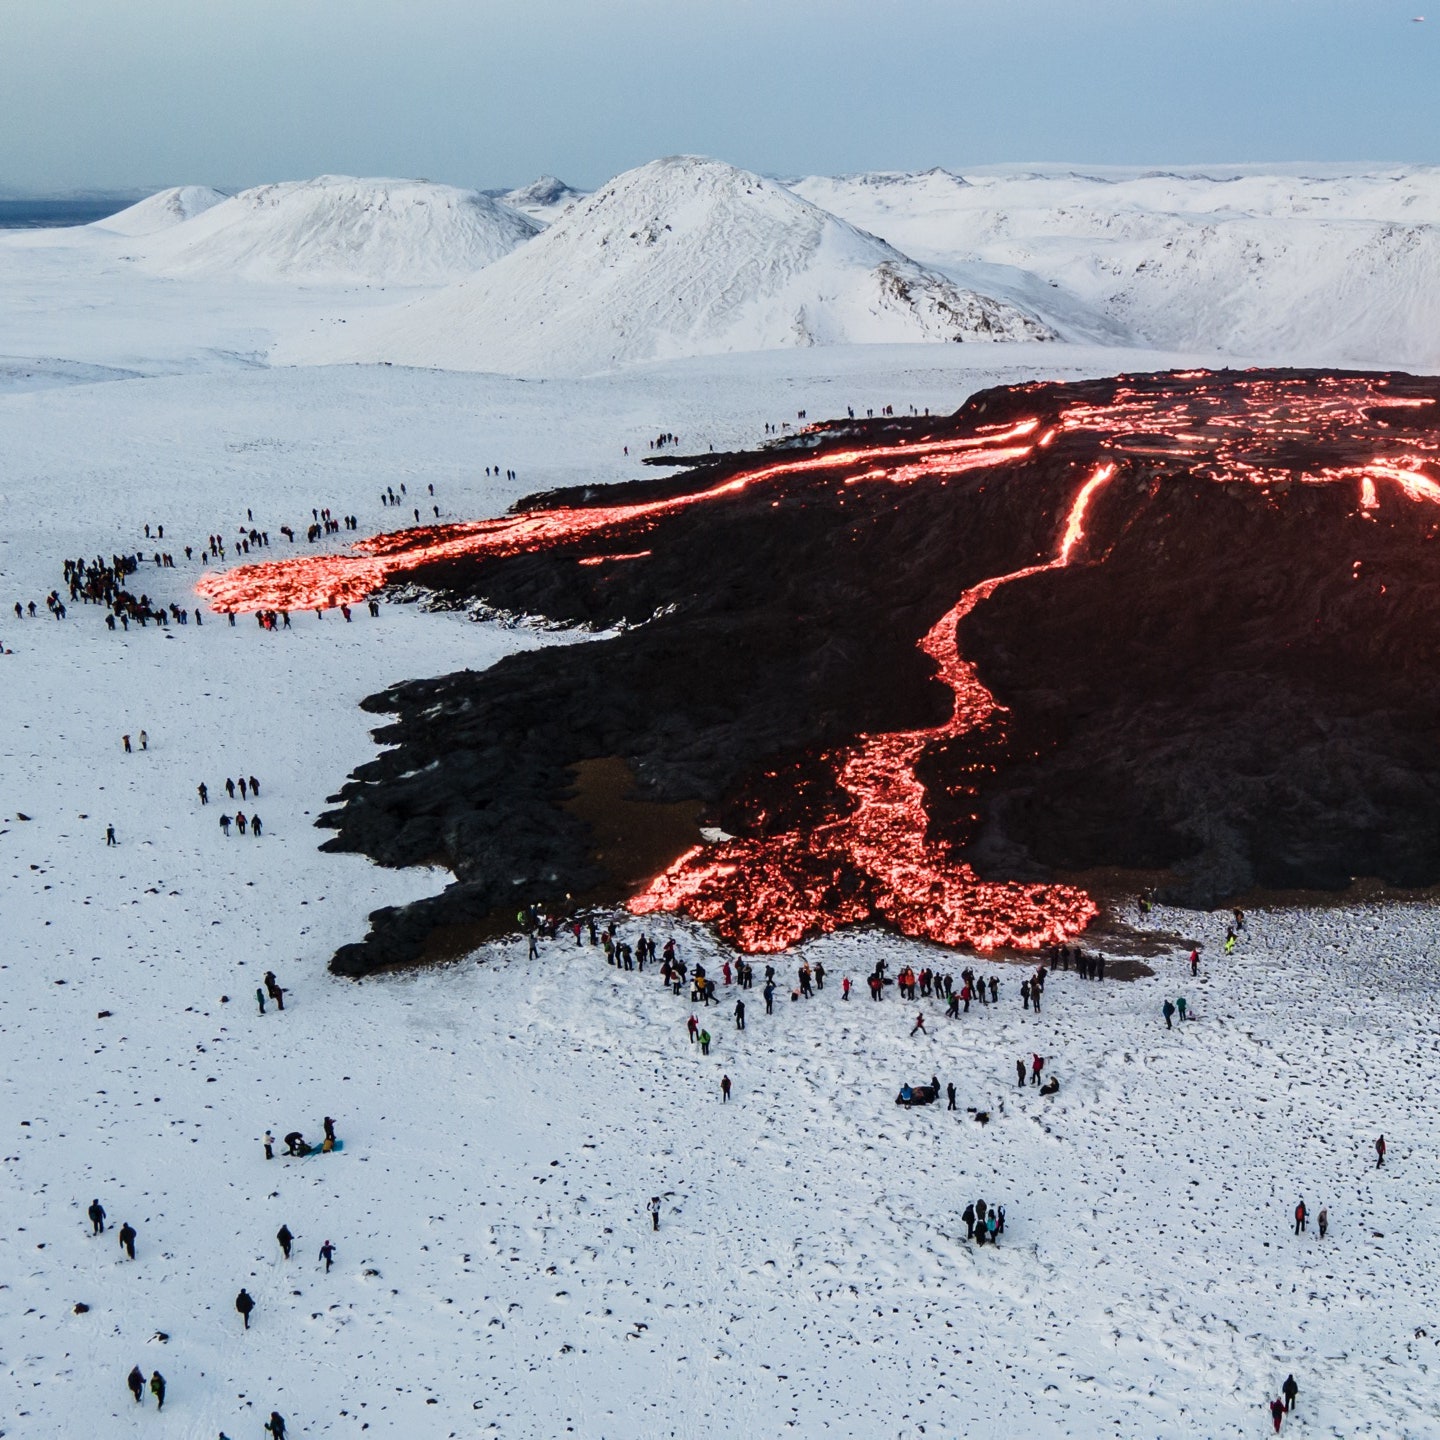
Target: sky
[{"x": 101, "y": 94}]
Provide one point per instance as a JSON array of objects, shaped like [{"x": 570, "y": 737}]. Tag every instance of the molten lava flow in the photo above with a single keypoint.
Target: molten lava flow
[
  {"x": 805, "y": 882},
  {"x": 876, "y": 858}
]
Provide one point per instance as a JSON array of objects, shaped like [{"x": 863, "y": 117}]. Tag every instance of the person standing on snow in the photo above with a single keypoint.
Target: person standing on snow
[
  {"x": 1195, "y": 961},
  {"x": 1322, "y": 1221},
  {"x": 136, "y": 1381},
  {"x": 1020, "y": 1073},
  {"x": 127, "y": 1239},
  {"x": 1289, "y": 1390},
  {"x": 204, "y": 793},
  {"x": 1379, "y": 1152},
  {"x": 1301, "y": 1214},
  {"x": 724, "y": 1088},
  {"x": 845, "y": 988},
  {"x": 769, "y": 993},
  {"x": 1037, "y": 1064},
  {"x": 157, "y": 1389},
  {"x": 269, "y": 1143},
  {"x": 968, "y": 1216},
  {"x": 110, "y": 835},
  {"x": 260, "y": 999},
  {"x": 1180, "y": 1006},
  {"x": 1277, "y": 1413},
  {"x": 96, "y": 1212},
  {"x": 739, "y": 1014},
  {"x": 654, "y": 1208},
  {"x": 950, "y": 1096},
  {"x": 1167, "y": 1010},
  {"x": 286, "y": 1239},
  {"x": 275, "y": 1425},
  {"x": 245, "y": 1303}
]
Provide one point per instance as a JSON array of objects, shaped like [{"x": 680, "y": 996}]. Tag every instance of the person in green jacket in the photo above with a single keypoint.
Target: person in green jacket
[
  {"x": 1180, "y": 1006},
  {"x": 704, "y": 1042}
]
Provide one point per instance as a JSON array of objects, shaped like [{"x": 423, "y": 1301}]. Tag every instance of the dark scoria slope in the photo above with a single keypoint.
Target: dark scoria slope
[{"x": 1207, "y": 605}]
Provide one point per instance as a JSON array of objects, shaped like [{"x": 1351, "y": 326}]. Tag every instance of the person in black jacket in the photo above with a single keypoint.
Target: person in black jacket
[{"x": 244, "y": 1303}]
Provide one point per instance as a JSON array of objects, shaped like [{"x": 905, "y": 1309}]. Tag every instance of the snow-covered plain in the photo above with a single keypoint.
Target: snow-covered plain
[{"x": 506, "y": 1120}]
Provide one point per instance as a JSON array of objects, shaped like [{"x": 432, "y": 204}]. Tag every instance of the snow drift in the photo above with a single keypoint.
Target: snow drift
[
  {"x": 162, "y": 210},
  {"x": 1333, "y": 268},
  {"x": 684, "y": 256},
  {"x": 403, "y": 232}
]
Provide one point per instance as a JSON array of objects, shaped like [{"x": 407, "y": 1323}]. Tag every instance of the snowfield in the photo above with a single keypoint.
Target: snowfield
[{"x": 506, "y": 1120}]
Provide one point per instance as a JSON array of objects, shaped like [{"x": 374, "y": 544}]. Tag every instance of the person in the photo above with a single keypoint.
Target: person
[
  {"x": 724, "y": 1087},
  {"x": 1020, "y": 1072},
  {"x": 260, "y": 999},
  {"x": 255, "y": 830},
  {"x": 329, "y": 1125},
  {"x": 327, "y": 1145},
  {"x": 1051, "y": 1086},
  {"x": 654, "y": 1208},
  {"x": 294, "y": 1142},
  {"x": 327, "y": 1254},
  {"x": 845, "y": 988},
  {"x": 96, "y": 1213},
  {"x": 1025, "y": 992},
  {"x": 225, "y": 825},
  {"x": 110, "y": 835},
  {"x": 968, "y": 1216},
  {"x": 157, "y": 1389},
  {"x": 285, "y": 1238},
  {"x": 204, "y": 793},
  {"x": 127, "y": 1239},
  {"x": 1230, "y": 950},
  {"x": 1289, "y": 1390},
  {"x": 769, "y": 993},
  {"x": 1037, "y": 1064},
  {"x": 704, "y": 1042},
  {"x": 1300, "y": 1216},
  {"x": 269, "y": 1146},
  {"x": 1322, "y": 1221},
  {"x": 276, "y": 1425},
  {"x": 1167, "y": 1010},
  {"x": 273, "y": 990},
  {"x": 1195, "y": 961},
  {"x": 692, "y": 1027},
  {"x": 1379, "y": 1152},
  {"x": 144, "y": 741},
  {"x": 244, "y": 1304},
  {"x": 136, "y": 1381},
  {"x": 919, "y": 1024},
  {"x": 1277, "y": 1413},
  {"x": 125, "y": 740},
  {"x": 1180, "y": 1006},
  {"x": 907, "y": 1095},
  {"x": 950, "y": 1095},
  {"x": 739, "y": 1014},
  {"x": 229, "y": 787}
]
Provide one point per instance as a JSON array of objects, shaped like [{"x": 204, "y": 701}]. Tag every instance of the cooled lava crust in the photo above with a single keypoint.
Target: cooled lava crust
[{"x": 1184, "y": 622}]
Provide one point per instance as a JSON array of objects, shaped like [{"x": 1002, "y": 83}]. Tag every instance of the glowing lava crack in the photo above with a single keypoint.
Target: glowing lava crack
[{"x": 790, "y": 681}]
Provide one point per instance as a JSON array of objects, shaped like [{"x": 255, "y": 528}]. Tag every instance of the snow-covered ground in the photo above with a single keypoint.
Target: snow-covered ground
[{"x": 504, "y": 1120}]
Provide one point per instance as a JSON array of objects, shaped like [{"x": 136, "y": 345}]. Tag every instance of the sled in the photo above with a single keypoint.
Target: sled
[{"x": 317, "y": 1150}]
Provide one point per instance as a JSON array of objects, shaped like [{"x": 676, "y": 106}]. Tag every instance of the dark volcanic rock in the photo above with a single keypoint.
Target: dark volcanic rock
[{"x": 1230, "y": 675}]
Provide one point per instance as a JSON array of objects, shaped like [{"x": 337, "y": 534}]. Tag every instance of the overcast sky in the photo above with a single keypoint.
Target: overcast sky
[{"x": 132, "y": 93}]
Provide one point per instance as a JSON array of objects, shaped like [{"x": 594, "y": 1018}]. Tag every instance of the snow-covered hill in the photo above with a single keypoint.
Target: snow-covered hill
[
  {"x": 1325, "y": 267},
  {"x": 162, "y": 210},
  {"x": 545, "y": 199},
  {"x": 339, "y": 229},
  {"x": 684, "y": 256}
]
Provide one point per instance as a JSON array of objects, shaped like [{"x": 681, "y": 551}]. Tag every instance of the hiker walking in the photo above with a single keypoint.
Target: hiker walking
[
  {"x": 273, "y": 990},
  {"x": 157, "y": 1389},
  {"x": 245, "y": 1303},
  {"x": 654, "y": 1208},
  {"x": 1277, "y": 1413},
  {"x": 204, "y": 793},
  {"x": 1167, "y": 1010},
  {"x": 327, "y": 1254},
  {"x": 1289, "y": 1390},
  {"x": 286, "y": 1239},
  {"x": 1180, "y": 1006},
  {"x": 110, "y": 835},
  {"x": 1379, "y": 1152},
  {"x": 739, "y": 1014},
  {"x": 704, "y": 1042},
  {"x": 919, "y": 1024},
  {"x": 96, "y": 1212},
  {"x": 260, "y": 999},
  {"x": 136, "y": 1381},
  {"x": 127, "y": 1239},
  {"x": 724, "y": 1087},
  {"x": 1195, "y": 961},
  {"x": 1301, "y": 1214},
  {"x": 1322, "y": 1221},
  {"x": 275, "y": 1425},
  {"x": 225, "y": 825},
  {"x": 950, "y": 1096},
  {"x": 692, "y": 1026}
]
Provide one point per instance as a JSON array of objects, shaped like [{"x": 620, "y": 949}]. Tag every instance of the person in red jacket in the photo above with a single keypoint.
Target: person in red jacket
[
  {"x": 1379, "y": 1152},
  {"x": 919, "y": 1024},
  {"x": 1301, "y": 1214},
  {"x": 1277, "y": 1413},
  {"x": 1037, "y": 1064}
]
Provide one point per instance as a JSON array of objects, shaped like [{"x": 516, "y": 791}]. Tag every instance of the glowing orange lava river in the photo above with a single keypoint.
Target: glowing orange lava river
[{"x": 877, "y": 857}]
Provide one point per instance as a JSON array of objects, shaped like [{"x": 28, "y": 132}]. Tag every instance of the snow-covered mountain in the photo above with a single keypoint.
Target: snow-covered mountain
[
  {"x": 684, "y": 256},
  {"x": 545, "y": 199},
  {"x": 162, "y": 210},
  {"x": 1317, "y": 266},
  {"x": 335, "y": 228}
]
